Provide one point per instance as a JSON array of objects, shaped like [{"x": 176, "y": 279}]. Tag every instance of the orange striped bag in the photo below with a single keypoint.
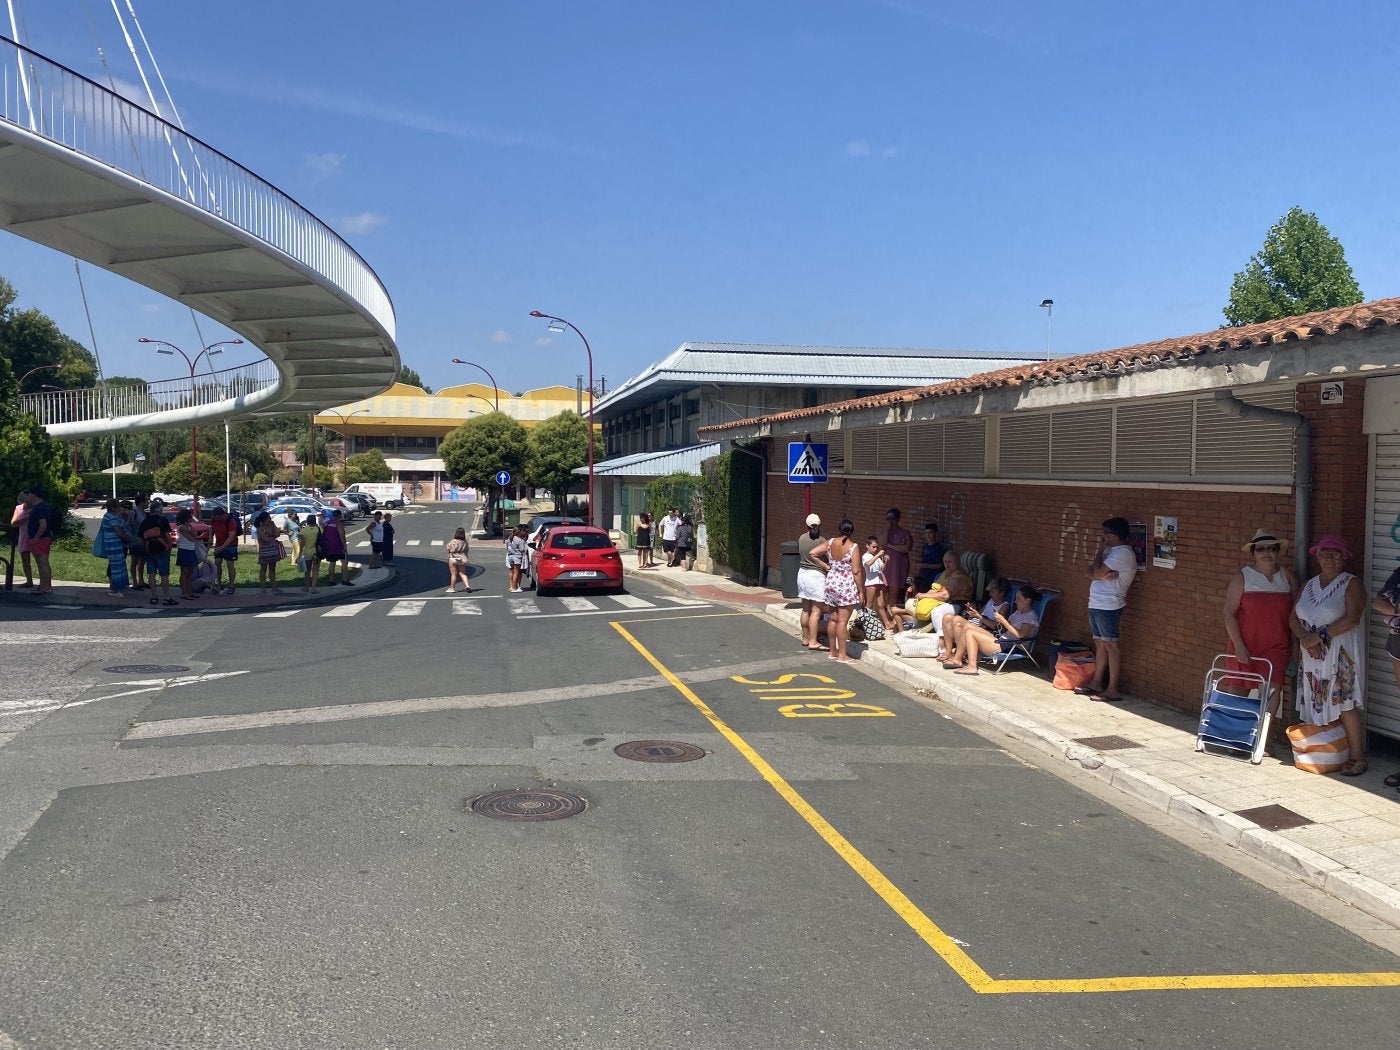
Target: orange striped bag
[{"x": 1319, "y": 749}]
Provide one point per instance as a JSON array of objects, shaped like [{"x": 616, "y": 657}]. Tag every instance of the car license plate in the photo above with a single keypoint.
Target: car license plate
[{"x": 583, "y": 574}]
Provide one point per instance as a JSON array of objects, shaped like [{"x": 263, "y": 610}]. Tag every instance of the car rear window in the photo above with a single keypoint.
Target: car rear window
[{"x": 579, "y": 541}]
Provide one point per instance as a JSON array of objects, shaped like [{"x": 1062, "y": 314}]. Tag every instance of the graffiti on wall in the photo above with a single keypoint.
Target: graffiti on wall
[
  {"x": 949, "y": 515},
  {"x": 1073, "y": 541}
]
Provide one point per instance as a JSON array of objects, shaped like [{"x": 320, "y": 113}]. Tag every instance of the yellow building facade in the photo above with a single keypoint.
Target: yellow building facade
[{"x": 407, "y": 424}]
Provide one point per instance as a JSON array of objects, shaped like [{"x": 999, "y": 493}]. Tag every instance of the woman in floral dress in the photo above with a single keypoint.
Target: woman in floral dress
[
  {"x": 1329, "y": 621},
  {"x": 844, "y": 579}
]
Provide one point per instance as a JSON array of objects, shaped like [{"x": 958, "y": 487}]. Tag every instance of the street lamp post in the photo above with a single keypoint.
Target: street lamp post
[
  {"x": 193, "y": 363},
  {"x": 344, "y": 418},
  {"x": 495, "y": 390},
  {"x": 558, "y": 324},
  {"x": 20, "y": 384},
  {"x": 1048, "y": 305}
]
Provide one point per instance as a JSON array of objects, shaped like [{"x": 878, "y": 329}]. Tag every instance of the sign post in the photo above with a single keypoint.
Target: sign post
[{"x": 807, "y": 465}]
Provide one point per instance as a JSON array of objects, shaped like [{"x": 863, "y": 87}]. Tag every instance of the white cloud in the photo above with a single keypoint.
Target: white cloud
[
  {"x": 500, "y": 335},
  {"x": 890, "y": 152},
  {"x": 858, "y": 149},
  {"x": 544, "y": 340},
  {"x": 363, "y": 222},
  {"x": 324, "y": 165}
]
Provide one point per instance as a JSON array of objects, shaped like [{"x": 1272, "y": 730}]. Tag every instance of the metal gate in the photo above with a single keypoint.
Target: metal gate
[{"x": 1383, "y": 556}]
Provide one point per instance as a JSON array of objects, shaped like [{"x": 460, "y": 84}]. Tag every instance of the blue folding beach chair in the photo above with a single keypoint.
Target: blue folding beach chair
[
  {"x": 1233, "y": 722},
  {"x": 1024, "y": 648}
]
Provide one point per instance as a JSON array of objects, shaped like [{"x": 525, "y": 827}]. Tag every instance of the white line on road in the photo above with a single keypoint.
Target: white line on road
[
  {"x": 407, "y": 608},
  {"x": 601, "y": 612},
  {"x": 348, "y": 610},
  {"x": 523, "y": 606},
  {"x": 577, "y": 604},
  {"x": 415, "y": 543},
  {"x": 466, "y": 609},
  {"x": 437, "y": 543},
  {"x": 631, "y": 601},
  {"x": 685, "y": 601},
  {"x": 362, "y": 543},
  {"x": 280, "y": 613}
]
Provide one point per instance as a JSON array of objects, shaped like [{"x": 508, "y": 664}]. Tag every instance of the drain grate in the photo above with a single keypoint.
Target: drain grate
[
  {"x": 1274, "y": 818},
  {"x": 530, "y": 805},
  {"x": 145, "y": 669},
  {"x": 659, "y": 751},
  {"x": 1107, "y": 743}
]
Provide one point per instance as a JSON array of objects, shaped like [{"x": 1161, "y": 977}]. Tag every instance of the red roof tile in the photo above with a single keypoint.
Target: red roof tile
[{"x": 1376, "y": 314}]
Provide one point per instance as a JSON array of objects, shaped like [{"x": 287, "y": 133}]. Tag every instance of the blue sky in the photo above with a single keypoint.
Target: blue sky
[{"x": 911, "y": 173}]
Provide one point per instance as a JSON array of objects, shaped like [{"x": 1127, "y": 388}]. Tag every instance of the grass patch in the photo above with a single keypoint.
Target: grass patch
[{"x": 70, "y": 566}]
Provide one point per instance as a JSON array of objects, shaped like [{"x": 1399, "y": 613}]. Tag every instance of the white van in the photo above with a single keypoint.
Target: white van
[{"x": 385, "y": 493}]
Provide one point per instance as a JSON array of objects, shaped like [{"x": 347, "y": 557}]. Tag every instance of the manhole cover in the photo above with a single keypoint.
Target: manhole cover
[
  {"x": 659, "y": 751},
  {"x": 1274, "y": 818},
  {"x": 146, "y": 669},
  {"x": 1107, "y": 743},
  {"x": 527, "y": 805}
]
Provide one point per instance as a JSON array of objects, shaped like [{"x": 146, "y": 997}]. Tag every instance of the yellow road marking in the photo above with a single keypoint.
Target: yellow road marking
[{"x": 944, "y": 946}]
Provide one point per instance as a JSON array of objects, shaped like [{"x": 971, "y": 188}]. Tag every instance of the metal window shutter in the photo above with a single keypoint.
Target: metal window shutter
[
  {"x": 965, "y": 447},
  {"x": 1024, "y": 451},
  {"x": 1382, "y": 695},
  {"x": 862, "y": 451},
  {"x": 1252, "y": 450},
  {"x": 926, "y": 448},
  {"x": 1081, "y": 443},
  {"x": 1154, "y": 440},
  {"x": 892, "y": 448},
  {"x": 835, "y": 453}
]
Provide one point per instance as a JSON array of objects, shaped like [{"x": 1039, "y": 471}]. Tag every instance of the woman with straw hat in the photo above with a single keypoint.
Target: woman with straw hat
[{"x": 1258, "y": 602}]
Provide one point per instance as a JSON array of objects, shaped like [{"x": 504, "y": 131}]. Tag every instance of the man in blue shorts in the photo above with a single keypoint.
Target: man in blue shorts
[{"x": 1110, "y": 575}]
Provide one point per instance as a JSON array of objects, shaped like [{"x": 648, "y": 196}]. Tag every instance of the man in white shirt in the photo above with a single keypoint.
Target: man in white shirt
[
  {"x": 669, "y": 524},
  {"x": 1110, "y": 575}
]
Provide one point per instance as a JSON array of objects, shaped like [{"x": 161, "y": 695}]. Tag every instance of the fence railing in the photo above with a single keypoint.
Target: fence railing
[
  {"x": 110, "y": 400},
  {"x": 65, "y": 107}
]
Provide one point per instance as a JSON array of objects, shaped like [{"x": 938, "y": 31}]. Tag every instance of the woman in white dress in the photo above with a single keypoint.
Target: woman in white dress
[{"x": 1329, "y": 623}]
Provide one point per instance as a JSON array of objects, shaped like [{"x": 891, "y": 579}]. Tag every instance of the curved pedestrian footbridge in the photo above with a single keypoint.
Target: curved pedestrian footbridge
[{"x": 88, "y": 173}]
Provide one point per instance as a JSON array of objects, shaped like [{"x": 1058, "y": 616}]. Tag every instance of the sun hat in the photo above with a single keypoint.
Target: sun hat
[
  {"x": 1265, "y": 536},
  {"x": 1330, "y": 542},
  {"x": 812, "y": 519}
]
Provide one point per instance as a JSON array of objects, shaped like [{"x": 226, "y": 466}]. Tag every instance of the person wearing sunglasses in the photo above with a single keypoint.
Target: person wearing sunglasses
[{"x": 1258, "y": 601}]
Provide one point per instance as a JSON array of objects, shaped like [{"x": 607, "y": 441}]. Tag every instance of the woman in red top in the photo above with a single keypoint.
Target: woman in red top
[{"x": 1258, "y": 601}]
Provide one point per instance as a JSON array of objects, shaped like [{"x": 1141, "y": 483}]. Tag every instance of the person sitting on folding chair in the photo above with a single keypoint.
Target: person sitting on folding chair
[{"x": 978, "y": 641}]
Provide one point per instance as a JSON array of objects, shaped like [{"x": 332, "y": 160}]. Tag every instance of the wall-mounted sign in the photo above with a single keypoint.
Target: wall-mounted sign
[
  {"x": 1331, "y": 393},
  {"x": 1164, "y": 542}
]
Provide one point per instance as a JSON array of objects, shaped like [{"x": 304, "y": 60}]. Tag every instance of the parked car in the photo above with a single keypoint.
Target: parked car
[
  {"x": 364, "y": 502},
  {"x": 576, "y": 557},
  {"x": 303, "y": 507},
  {"x": 247, "y": 504},
  {"x": 349, "y": 509},
  {"x": 538, "y": 526},
  {"x": 389, "y": 493}
]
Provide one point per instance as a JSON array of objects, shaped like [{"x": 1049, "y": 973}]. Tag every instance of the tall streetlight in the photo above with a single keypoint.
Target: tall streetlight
[
  {"x": 1048, "y": 305},
  {"x": 495, "y": 390},
  {"x": 344, "y": 418},
  {"x": 170, "y": 349},
  {"x": 20, "y": 384},
  {"x": 558, "y": 324}
]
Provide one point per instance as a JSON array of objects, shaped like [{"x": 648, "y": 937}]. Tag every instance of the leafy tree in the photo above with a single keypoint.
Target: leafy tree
[
  {"x": 556, "y": 448},
  {"x": 317, "y": 477},
  {"x": 412, "y": 378},
  {"x": 367, "y": 466},
  {"x": 1301, "y": 268},
  {"x": 28, "y": 456},
  {"x": 325, "y": 451},
  {"x": 177, "y": 475},
  {"x": 30, "y": 340},
  {"x": 483, "y": 445}
]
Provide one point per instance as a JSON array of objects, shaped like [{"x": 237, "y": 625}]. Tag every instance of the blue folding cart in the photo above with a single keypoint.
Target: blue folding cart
[{"x": 1233, "y": 722}]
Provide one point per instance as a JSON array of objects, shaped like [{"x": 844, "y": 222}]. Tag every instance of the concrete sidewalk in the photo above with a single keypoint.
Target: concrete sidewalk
[{"x": 1339, "y": 834}]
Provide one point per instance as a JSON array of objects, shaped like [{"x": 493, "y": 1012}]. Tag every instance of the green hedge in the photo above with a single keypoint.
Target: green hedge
[
  {"x": 715, "y": 494},
  {"x": 745, "y": 509},
  {"x": 98, "y": 484},
  {"x": 674, "y": 490}
]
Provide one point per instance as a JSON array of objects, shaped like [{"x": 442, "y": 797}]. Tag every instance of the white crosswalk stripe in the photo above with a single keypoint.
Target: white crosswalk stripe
[
  {"x": 362, "y": 543},
  {"x": 576, "y": 604},
  {"x": 437, "y": 543},
  {"x": 466, "y": 609},
  {"x": 685, "y": 600},
  {"x": 276, "y": 614},
  {"x": 523, "y": 607},
  {"x": 407, "y": 608},
  {"x": 415, "y": 543},
  {"x": 348, "y": 610},
  {"x": 631, "y": 601}
]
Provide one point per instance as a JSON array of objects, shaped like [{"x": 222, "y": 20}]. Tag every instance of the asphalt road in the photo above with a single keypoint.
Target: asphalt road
[{"x": 272, "y": 848}]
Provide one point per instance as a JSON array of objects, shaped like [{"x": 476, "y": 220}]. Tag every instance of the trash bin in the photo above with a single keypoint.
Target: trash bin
[{"x": 788, "y": 562}]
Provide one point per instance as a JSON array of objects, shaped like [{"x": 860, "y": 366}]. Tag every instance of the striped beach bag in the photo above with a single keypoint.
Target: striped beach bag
[{"x": 1319, "y": 749}]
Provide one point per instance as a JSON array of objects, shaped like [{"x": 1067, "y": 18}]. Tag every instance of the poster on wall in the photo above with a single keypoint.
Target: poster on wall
[{"x": 1164, "y": 542}]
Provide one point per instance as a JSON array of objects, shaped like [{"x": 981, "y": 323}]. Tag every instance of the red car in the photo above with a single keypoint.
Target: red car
[{"x": 575, "y": 557}]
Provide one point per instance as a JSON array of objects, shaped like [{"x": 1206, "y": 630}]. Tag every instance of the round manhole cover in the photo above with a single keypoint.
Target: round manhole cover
[
  {"x": 146, "y": 669},
  {"x": 659, "y": 751},
  {"x": 527, "y": 805}
]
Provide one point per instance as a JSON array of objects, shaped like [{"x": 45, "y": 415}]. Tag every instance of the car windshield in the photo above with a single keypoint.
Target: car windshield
[{"x": 579, "y": 541}]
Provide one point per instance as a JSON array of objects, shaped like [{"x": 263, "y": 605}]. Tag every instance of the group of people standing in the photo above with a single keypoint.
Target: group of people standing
[
  {"x": 1267, "y": 613},
  {"x": 677, "y": 534}
]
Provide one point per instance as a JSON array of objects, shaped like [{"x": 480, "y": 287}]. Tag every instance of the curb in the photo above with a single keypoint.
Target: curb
[{"x": 1334, "y": 878}]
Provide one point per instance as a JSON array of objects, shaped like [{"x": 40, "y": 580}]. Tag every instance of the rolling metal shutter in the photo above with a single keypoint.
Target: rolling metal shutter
[{"x": 1383, "y": 542}]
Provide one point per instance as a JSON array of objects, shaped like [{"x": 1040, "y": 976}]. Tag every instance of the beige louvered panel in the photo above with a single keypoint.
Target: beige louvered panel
[
  {"x": 1253, "y": 450},
  {"x": 1382, "y": 694},
  {"x": 835, "y": 452},
  {"x": 862, "y": 451},
  {"x": 965, "y": 447},
  {"x": 1024, "y": 450},
  {"x": 1081, "y": 443},
  {"x": 892, "y": 448},
  {"x": 926, "y": 448},
  {"x": 1154, "y": 440},
  {"x": 1284, "y": 400}
]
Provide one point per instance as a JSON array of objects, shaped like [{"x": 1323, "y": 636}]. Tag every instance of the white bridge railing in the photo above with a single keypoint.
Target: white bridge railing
[{"x": 110, "y": 400}]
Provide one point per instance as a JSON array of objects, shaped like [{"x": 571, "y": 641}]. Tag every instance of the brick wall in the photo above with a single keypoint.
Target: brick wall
[{"x": 1048, "y": 533}]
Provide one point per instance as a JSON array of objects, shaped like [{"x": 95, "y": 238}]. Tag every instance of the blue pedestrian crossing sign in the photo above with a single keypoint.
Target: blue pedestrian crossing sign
[
  {"x": 806, "y": 463},
  {"x": 502, "y": 477}
]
